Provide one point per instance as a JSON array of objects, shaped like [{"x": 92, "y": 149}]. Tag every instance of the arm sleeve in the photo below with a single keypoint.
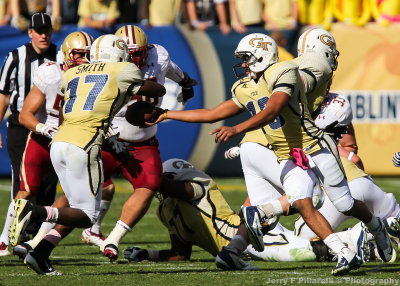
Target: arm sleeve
[
  {"x": 286, "y": 82},
  {"x": 174, "y": 72},
  {"x": 48, "y": 77},
  {"x": 309, "y": 80}
]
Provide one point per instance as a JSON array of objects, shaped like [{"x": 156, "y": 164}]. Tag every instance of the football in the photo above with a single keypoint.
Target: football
[{"x": 140, "y": 112}]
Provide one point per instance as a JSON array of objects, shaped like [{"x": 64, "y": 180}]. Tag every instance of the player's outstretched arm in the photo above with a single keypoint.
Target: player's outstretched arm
[
  {"x": 222, "y": 111},
  {"x": 179, "y": 251},
  {"x": 276, "y": 103}
]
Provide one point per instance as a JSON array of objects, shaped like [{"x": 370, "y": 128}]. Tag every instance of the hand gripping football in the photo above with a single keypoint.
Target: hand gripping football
[{"x": 142, "y": 111}]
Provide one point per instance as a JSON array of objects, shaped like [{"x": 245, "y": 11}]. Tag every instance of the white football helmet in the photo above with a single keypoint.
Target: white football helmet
[
  {"x": 337, "y": 109},
  {"x": 258, "y": 50},
  {"x": 175, "y": 166},
  {"x": 319, "y": 41},
  {"x": 109, "y": 48}
]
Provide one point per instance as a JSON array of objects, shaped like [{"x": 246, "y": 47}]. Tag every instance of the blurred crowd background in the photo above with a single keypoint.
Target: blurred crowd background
[{"x": 285, "y": 17}]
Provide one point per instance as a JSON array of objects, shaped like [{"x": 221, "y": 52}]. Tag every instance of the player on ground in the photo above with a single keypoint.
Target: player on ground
[
  {"x": 144, "y": 168},
  {"x": 196, "y": 213},
  {"x": 94, "y": 93}
]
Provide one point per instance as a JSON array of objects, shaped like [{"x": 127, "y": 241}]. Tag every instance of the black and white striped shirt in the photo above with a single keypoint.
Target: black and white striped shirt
[{"x": 17, "y": 70}]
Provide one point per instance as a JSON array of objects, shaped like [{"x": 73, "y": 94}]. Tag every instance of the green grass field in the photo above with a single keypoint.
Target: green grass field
[{"x": 83, "y": 265}]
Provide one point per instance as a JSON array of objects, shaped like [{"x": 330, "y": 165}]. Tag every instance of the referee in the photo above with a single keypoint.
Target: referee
[{"x": 15, "y": 83}]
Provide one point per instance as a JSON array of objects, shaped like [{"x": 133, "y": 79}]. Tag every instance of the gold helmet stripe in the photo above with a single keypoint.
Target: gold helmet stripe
[
  {"x": 304, "y": 40},
  {"x": 97, "y": 47}
]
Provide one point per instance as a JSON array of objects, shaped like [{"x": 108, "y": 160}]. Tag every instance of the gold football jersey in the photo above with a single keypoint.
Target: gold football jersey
[
  {"x": 293, "y": 128},
  {"x": 93, "y": 95},
  {"x": 317, "y": 77},
  {"x": 207, "y": 222},
  {"x": 351, "y": 170}
]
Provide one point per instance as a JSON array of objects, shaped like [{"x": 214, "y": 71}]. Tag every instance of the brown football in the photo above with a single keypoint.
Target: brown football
[{"x": 140, "y": 112}]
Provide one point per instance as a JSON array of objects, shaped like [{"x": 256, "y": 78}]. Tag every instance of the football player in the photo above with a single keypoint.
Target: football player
[
  {"x": 317, "y": 61},
  {"x": 337, "y": 113},
  {"x": 144, "y": 168},
  {"x": 94, "y": 93},
  {"x": 274, "y": 96},
  {"x": 40, "y": 114},
  {"x": 195, "y": 213}
]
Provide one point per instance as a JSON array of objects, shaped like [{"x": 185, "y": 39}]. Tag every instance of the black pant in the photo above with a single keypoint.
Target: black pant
[{"x": 16, "y": 142}]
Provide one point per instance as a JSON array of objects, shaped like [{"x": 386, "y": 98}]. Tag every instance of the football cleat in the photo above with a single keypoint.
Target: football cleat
[
  {"x": 40, "y": 264},
  {"x": 4, "y": 250},
  {"x": 253, "y": 220},
  {"x": 383, "y": 243},
  {"x": 21, "y": 250},
  {"x": 23, "y": 211},
  {"x": 229, "y": 259},
  {"x": 359, "y": 241},
  {"x": 392, "y": 225},
  {"x": 91, "y": 238},
  {"x": 111, "y": 251},
  {"x": 347, "y": 261},
  {"x": 374, "y": 255}
]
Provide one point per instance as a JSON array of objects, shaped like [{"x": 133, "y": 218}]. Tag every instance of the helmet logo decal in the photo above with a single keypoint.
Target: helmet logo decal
[
  {"x": 258, "y": 43},
  {"x": 181, "y": 165},
  {"x": 120, "y": 44},
  {"x": 327, "y": 40}
]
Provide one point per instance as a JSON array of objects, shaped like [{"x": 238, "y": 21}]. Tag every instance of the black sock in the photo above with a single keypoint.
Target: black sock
[
  {"x": 44, "y": 248},
  {"x": 39, "y": 213}
]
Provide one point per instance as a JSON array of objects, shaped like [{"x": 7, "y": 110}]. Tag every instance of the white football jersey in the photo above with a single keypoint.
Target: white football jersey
[
  {"x": 158, "y": 66},
  {"x": 337, "y": 109},
  {"x": 47, "y": 79}
]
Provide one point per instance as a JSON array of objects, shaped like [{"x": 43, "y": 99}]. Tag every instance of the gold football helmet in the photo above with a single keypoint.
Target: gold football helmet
[
  {"x": 138, "y": 45},
  {"x": 76, "y": 42}
]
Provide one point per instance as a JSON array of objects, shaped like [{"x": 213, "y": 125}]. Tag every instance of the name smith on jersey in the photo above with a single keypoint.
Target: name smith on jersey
[{"x": 88, "y": 68}]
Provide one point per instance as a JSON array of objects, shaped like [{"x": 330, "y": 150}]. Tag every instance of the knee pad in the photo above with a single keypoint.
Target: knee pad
[
  {"x": 341, "y": 199},
  {"x": 330, "y": 172}
]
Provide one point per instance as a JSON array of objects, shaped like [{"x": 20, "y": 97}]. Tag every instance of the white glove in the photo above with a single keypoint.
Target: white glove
[
  {"x": 47, "y": 130},
  {"x": 232, "y": 153},
  {"x": 396, "y": 159}
]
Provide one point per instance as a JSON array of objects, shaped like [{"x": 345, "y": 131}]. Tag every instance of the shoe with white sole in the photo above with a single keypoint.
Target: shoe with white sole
[
  {"x": 91, "y": 238},
  {"x": 111, "y": 251},
  {"x": 23, "y": 211},
  {"x": 392, "y": 225},
  {"x": 253, "y": 219},
  {"x": 4, "y": 249},
  {"x": 21, "y": 250},
  {"x": 383, "y": 243},
  {"x": 347, "y": 261},
  {"x": 40, "y": 264},
  {"x": 359, "y": 241}
]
